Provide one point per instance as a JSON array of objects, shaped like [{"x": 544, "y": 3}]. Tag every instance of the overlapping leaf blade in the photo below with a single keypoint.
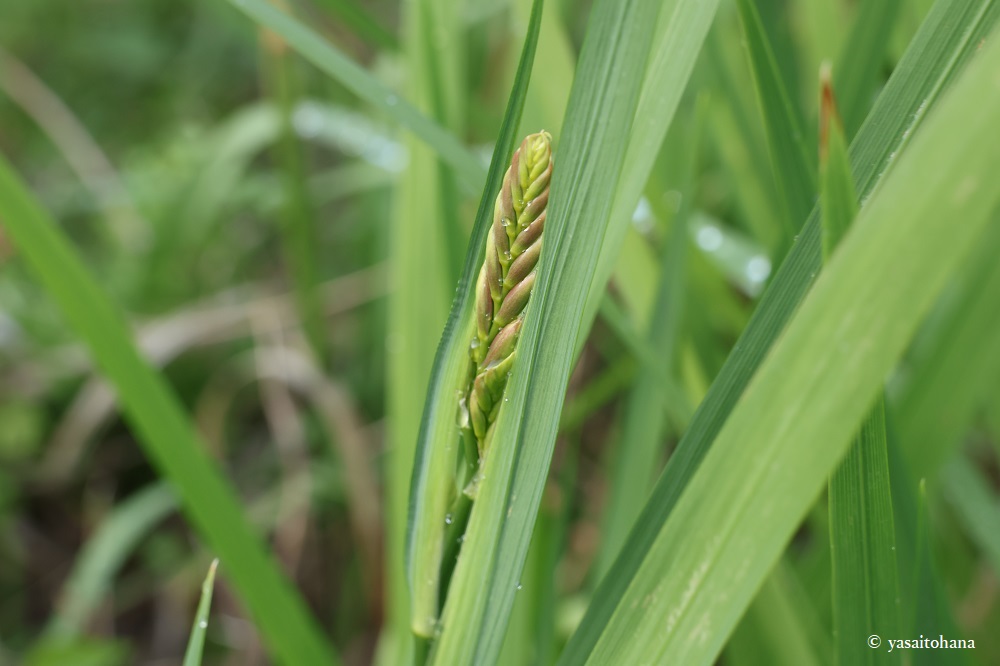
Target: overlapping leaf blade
[
  {"x": 946, "y": 40},
  {"x": 794, "y": 172},
  {"x": 436, "y": 452},
  {"x": 862, "y": 534},
  {"x": 588, "y": 165},
  {"x": 680, "y": 32},
  {"x": 796, "y": 417}
]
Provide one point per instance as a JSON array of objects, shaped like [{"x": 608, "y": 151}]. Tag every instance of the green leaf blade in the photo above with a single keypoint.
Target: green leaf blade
[
  {"x": 831, "y": 319},
  {"x": 862, "y": 538},
  {"x": 434, "y": 463},
  {"x": 954, "y": 366},
  {"x": 160, "y": 426},
  {"x": 944, "y": 43},
  {"x": 862, "y": 532},
  {"x": 104, "y": 553},
  {"x": 332, "y": 61},
  {"x": 931, "y": 613},
  {"x": 640, "y": 450},
  {"x": 976, "y": 505},
  {"x": 680, "y": 32},
  {"x": 861, "y": 59},
  {"x": 588, "y": 163},
  {"x": 196, "y": 643},
  {"x": 838, "y": 198},
  {"x": 794, "y": 172}
]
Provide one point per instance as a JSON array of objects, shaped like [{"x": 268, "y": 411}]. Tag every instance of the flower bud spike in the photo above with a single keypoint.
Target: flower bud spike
[{"x": 513, "y": 250}]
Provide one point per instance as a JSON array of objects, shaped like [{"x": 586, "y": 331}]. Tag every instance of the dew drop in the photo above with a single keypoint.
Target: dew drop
[
  {"x": 448, "y": 519},
  {"x": 203, "y": 624},
  {"x": 519, "y": 586}
]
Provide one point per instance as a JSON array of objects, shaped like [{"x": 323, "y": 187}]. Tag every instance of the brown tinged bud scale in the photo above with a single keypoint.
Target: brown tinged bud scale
[{"x": 505, "y": 281}]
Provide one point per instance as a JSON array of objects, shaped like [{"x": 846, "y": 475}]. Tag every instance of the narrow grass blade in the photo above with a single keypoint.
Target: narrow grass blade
[
  {"x": 794, "y": 172},
  {"x": 361, "y": 23},
  {"x": 545, "y": 105},
  {"x": 821, "y": 27},
  {"x": 976, "y": 505},
  {"x": 739, "y": 138},
  {"x": 931, "y": 614},
  {"x": 862, "y": 533},
  {"x": 422, "y": 261},
  {"x": 838, "y": 198},
  {"x": 103, "y": 555},
  {"x": 124, "y": 225},
  {"x": 196, "y": 643},
  {"x": 862, "y": 537},
  {"x": 434, "y": 465},
  {"x": 926, "y": 607},
  {"x": 861, "y": 60},
  {"x": 780, "y": 628},
  {"x": 332, "y": 61},
  {"x": 162, "y": 429},
  {"x": 588, "y": 165},
  {"x": 955, "y": 365},
  {"x": 680, "y": 31},
  {"x": 947, "y": 39},
  {"x": 298, "y": 229},
  {"x": 530, "y": 635},
  {"x": 439, "y": 45},
  {"x": 672, "y": 397},
  {"x": 640, "y": 450},
  {"x": 786, "y": 434}
]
